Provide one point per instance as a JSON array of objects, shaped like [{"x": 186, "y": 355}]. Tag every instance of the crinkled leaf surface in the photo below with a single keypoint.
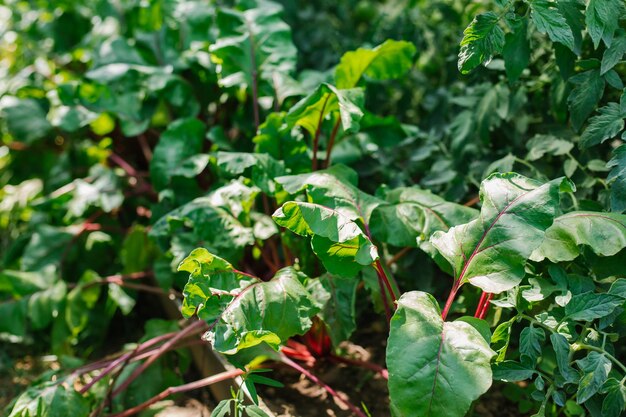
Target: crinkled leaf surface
[
  {"x": 253, "y": 311},
  {"x": 582, "y": 101},
  {"x": 596, "y": 368},
  {"x": 338, "y": 241},
  {"x": 254, "y": 43},
  {"x": 603, "y": 233},
  {"x": 428, "y": 358},
  {"x": 606, "y": 125},
  {"x": 336, "y": 188},
  {"x": 388, "y": 60},
  {"x": 490, "y": 252},
  {"x": 602, "y": 18},
  {"x": 548, "y": 19},
  {"x": 263, "y": 168},
  {"x": 413, "y": 215},
  {"x": 312, "y": 109}
]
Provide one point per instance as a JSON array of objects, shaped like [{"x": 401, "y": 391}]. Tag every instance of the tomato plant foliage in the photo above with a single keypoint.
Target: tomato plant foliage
[{"x": 268, "y": 174}]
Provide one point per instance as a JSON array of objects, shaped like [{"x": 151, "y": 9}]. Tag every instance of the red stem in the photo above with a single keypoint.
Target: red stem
[
  {"x": 331, "y": 142},
  {"x": 485, "y": 308},
  {"x": 181, "y": 388},
  {"x": 383, "y": 276},
  {"x": 319, "y": 382},
  {"x": 451, "y": 297},
  {"x": 479, "y": 306},
  {"x": 191, "y": 329}
]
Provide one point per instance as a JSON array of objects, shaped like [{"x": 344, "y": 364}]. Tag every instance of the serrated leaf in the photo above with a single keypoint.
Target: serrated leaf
[
  {"x": 562, "y": 350},
  {"x": 617, "y": 179},
  {"x": 603, "y": 233},
  {"x": 388, "y": 60},
  {"x": 312, "y": 109},
  {"x": 425, "y": 355},
  {"x": 614, "y": 54},
  {"x": 588, "y": 90},
  {"x": 606, "y": 125},
  {"x": 596, "y": 368},
  {"x": 548, "y": 19},
  {"x": 541, "y": 145},
  {"x": 490, "y": 251},
  {"x": 482, "y": 39},
  {"x": 589, "y": 306},
  {"x": 614, "y": 403},
  {"x": 338, "y": 241},
  {"x": 602, "y": 18},
  {"x": 530, "y": 341}
]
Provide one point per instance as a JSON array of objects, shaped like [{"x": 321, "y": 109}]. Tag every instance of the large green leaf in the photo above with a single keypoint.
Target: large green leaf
[
  {"x": 548, "y": 19},
  {"x": 25, "y": 119},
  {"x": 388, "y": 60},
  {"x": 614, "y": 54},
  {"x": 263, "y": 168},
  {"x": 490, "y": 252},
  {"x": 338, "y": 241},
  {"x": 244, "y": 311},
  {"x": 278, "y": 140},
  {"x": 516, "y": 51},
  {"x": 436, "y": 368},
  {"x": 602, "y": 18},
  {"x": 482, "y": 39},
  {"x": 603, "y": 233},
  {"x": 617, "y": 178},
  {"x": 181, "y": 141},
  {"x": 336, "y": 188},
  {"x": 253, "y": 44},
  {"x": 413, "y": 215},
  {"x": 312, "y": 109}
]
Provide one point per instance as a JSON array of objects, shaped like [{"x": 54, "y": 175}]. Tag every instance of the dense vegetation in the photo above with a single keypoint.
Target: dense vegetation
[{"x": 275, "y": 176}]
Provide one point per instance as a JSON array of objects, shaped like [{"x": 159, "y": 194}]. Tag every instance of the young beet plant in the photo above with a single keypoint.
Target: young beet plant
[{"x": 513, "y": 251}]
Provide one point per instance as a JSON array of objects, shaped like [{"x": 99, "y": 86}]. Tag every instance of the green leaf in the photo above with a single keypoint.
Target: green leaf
[
  {"x": 50, "y": 399},
  {"x": 548, "y": 19},
  {"x": 242, "y": 311},
  {"x": 335, "y": 188},
  {"x": 47, "y": 246},
  {"x": 562, "y": 349},
  {"x": 338, "y": 241},
  {"x": 326, "y": 99},
  {"x": 490, "y": 252},
  {"x": 615, "y": 400},
  {"x": 603, "y": 233},
  {"x": 516, "y": 51},
  {"x": 617, "y": 179},
  {"x": 606, "y": 125},
  {"x": 254, "y": 44},
  {"x": 389, "y": 60},
  {"x": 337, "y": 296},
  {"x": 510, "y": 371},
  {"x": 264, "y": 168},
  {"x": 482, "y": 39},
  {"x": 541, "y": 145},
  {"x": 589, "y": 306},
  {"x": 413, "y": 215},
  {"x": 614, "y": 54},
  {"x": 530, "y": 340},
  {"x": 588, "y": 90},
  {"x": 181, "y": 141},
  {"x": 602, "y": 18},
  {"x": 26, "y": 120},
  {"x": 596, "y": 368},
  {"x": 211, "y": 278},
  {"x": 425, "y": 356},
  {"x": 276, "y": 138}
]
